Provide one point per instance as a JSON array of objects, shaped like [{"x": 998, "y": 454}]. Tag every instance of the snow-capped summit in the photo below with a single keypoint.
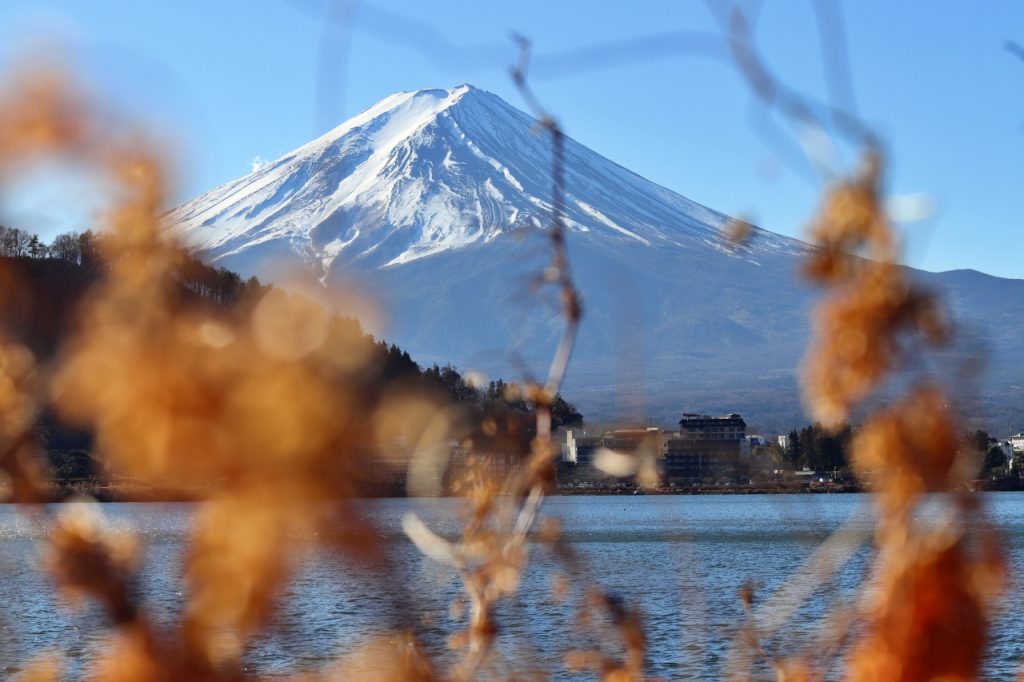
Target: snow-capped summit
[
  {"x": 428, "y": 171},
  {"x": 427, "y": 201}
]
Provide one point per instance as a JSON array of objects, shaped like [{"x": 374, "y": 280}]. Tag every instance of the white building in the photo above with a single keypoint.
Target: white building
[
  {"x": 750, "y": 442},
  {"x": 1017, "y": 442},
  {"x": 569, "y": 446},
  {"x": 579, "y": 446}
]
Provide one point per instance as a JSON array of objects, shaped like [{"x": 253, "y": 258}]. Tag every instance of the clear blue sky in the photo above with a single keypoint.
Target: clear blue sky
[{"x": 234, "y": 80}]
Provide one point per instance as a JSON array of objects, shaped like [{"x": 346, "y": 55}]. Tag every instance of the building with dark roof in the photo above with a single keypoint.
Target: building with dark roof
[{"x": 705, "y": 449}]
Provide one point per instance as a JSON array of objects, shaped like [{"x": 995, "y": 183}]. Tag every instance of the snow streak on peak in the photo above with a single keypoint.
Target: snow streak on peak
[{"x": 430, "y": 171}]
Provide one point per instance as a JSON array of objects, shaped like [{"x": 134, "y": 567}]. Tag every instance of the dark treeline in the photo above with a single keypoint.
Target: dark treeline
[
  {"x": 218, "y": 285},
  {"x": 813, "y": 447},
  {"x": 496, "y": 395},
  {"x": 826, "y": 451},
  {"x": 818, "y": 448},
  {"x": 70, "y": 247},
  {"x": 44, "y": 285}
]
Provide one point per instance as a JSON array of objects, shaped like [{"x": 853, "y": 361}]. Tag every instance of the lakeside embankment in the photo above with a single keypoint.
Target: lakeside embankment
[{"x": 137, "y": 492}]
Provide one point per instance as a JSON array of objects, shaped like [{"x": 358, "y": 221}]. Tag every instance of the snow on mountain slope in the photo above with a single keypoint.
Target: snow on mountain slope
[
  {"x": 431, "y": 202},
  {"x": 424, "y": 172}
]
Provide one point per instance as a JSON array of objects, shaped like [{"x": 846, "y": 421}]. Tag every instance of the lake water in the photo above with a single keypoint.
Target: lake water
[{"x": 680, "y": 559}]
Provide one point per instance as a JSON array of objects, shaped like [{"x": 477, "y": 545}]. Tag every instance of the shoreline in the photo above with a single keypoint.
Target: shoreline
[{"x": 140, "y": 493}]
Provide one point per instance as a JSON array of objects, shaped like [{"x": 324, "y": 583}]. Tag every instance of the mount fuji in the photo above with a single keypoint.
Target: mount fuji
[{"x": 434, "y": 204}]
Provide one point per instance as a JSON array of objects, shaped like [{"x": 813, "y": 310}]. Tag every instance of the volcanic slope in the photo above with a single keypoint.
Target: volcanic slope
[{"x": 435, "y": 203}]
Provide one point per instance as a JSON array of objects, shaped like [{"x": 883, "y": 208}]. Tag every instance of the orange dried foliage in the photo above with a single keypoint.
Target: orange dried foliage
[
  {"x": 41, "y": 114},
  {"x": 930, "y": 614},
  {"x": 860, "y": 328},
  {"x": 795, "y": 670},
  {"x": 44, "y": 668},
  {"x": 850, "y": 221},
  {"x": 928, "y": 618},
  {"x": 22, "y": 476},
  {"x": 87, "y": 560},
  {"x": 909, "y": 449},
  {"x": 858, "y": 338},
  {"x": 398, "y": 658},
  {"x": 626, "y": 624},
  {"x": 266, "y": 407}
]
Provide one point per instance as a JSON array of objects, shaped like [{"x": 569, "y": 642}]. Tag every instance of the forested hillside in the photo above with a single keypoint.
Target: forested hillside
[{"x": 45, "y": 285}]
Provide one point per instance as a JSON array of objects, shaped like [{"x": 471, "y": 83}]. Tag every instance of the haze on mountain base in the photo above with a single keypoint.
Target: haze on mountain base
[{"x": 433, "y": 204}]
